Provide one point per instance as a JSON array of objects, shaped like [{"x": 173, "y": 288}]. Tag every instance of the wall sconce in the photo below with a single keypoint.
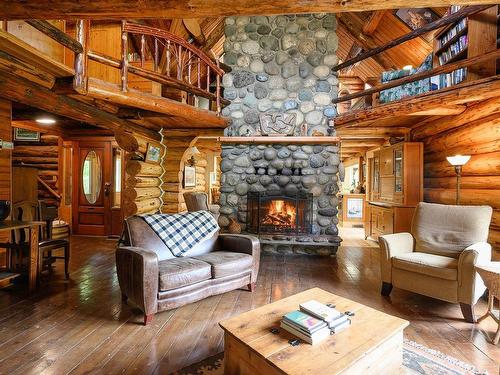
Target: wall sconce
[{"x": 458, "y": 161}]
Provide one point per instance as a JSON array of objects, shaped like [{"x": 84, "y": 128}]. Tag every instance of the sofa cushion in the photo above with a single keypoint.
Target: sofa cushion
[
  {"x": 178, "y": 272},
  {"x": 225, "y": 263},
  {"x": 427, "y": 264}
]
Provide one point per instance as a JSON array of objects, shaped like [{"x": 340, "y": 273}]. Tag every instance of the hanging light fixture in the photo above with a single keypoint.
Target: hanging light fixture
[{"x": 458, "y": 161}]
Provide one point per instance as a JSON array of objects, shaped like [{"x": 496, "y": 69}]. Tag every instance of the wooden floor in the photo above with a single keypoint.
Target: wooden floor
[{"x": 81, "y": 326}]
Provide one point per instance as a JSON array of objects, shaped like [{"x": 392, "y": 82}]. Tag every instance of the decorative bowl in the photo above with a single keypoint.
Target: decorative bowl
[{"x": 4, "y": 209}]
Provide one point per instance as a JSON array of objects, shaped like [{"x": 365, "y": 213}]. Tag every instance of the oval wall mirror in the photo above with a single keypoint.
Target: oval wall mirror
[{"x": 91, "y": 177}]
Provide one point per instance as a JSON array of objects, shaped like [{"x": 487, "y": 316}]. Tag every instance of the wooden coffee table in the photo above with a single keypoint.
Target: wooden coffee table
[{"x": 373, "y": 342}]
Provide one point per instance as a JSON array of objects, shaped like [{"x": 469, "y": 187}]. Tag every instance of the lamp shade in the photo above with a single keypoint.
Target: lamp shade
[{"x": 458, "y": 160}]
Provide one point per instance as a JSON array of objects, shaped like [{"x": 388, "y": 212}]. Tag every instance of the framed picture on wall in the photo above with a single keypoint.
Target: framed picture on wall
[
  {"x": 213, "y": 178},
  {"x": 416, "y": 18},
  {"x": 26, "y": 135},
  {"x": 153, "y": 154},
  {"x": 189, "y": 177}
]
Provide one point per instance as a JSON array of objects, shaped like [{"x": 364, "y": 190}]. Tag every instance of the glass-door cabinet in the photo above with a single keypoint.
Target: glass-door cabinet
[{"x": 398, "y": 170}]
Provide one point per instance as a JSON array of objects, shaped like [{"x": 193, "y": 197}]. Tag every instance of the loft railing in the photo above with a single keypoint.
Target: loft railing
[{"x": 175, "y": 62}]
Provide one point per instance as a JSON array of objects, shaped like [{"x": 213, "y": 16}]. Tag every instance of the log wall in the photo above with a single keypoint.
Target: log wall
[
  {"x": 142, "y": 192},
  {"x": 475, "y": 132},
  {"x": 5, "y": 164},
  {"x": 44, "y": 156}
]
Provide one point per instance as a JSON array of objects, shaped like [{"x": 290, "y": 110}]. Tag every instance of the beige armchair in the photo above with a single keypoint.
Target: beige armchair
[
  {"x": 437, "y": 258},
  {"x": 197, "y": 201}
]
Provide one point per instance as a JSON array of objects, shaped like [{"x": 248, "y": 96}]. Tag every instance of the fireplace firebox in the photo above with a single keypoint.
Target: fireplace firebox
[{"x": 278, "y": 212}]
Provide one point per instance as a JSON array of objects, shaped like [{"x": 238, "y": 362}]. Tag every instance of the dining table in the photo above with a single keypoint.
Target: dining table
[{"x": 33, "y": 228}]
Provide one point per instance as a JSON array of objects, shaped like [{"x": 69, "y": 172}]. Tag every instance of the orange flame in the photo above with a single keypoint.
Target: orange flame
[{"x": 281, "y": 213}]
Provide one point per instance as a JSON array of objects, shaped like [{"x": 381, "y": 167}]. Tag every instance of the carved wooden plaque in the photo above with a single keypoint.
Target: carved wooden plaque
[{"x": 277, "y": 123}]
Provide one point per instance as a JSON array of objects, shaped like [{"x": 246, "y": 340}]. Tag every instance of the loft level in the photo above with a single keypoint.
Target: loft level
[
  {"x": 463, "y": 49},
  {"x": 408, "y": 111},
  {"x": 102, "y": 102}
]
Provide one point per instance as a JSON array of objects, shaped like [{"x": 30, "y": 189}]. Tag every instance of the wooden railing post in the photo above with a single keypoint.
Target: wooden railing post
[
  {"x": 217, "y": 88},
  {"x": 80, "y": 81},
  {"x": 124, "y": 62}
]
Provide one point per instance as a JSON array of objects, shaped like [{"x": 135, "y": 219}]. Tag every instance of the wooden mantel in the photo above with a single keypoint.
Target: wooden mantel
[{"x": 272, "y": 140}]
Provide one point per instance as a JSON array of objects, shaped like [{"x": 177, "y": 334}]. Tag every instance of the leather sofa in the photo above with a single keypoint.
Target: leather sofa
[
  {"x": 155, "y": 280},
  {"x": 437, "y": 258}
]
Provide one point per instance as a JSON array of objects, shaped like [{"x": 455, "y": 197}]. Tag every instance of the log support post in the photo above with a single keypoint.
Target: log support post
[
  {"x": 81, "y": 80},
  {"x": 124, "y": 59}
]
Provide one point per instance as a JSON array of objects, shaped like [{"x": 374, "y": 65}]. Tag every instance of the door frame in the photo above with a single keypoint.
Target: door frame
[{"x": 107, "y": 177}]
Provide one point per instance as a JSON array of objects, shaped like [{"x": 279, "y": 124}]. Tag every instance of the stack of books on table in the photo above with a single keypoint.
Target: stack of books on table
[{"x": 314, "y": 322}]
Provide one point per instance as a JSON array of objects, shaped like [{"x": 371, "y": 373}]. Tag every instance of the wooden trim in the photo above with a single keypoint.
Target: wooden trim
[
  {"x": 462, "y": 13},
  {"x": 418, "y": 76}
]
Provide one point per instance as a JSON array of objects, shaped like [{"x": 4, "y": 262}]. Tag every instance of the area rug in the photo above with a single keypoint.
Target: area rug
[{"x": 417, "y": 359}]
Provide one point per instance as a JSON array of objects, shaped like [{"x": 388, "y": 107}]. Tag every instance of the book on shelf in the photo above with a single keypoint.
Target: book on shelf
[
  {"x": 449, "y": 79},
  {"x": 450, "y": 34},
  {"x": 453, "y": 49}
]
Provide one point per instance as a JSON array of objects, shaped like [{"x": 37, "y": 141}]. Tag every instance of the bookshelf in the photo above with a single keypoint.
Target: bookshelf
[{"x": 469, "y": 37}]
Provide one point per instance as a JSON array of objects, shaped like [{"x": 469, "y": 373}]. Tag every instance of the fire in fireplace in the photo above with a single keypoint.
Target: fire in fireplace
[{"x": 276, "y": 212}]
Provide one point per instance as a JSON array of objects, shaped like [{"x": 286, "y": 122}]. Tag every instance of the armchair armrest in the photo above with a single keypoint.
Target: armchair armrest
[
  {"x": 137, "y": 270},
  {"x": 242, "y": 243},
  {"x": 470, "y": 285},
  {"x": 392, "y": 245}
]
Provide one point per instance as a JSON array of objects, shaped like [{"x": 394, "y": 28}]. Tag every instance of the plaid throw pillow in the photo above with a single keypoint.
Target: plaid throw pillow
[{"x": 181, "y": 232}]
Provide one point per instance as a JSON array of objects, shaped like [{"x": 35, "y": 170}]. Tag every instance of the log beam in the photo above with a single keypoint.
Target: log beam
[
  {"x": 121, "y": 9},
  {"x": 28, "y": 93}
]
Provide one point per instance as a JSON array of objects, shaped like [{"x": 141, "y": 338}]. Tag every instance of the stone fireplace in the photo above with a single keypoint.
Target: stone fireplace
[{"x": 281, "y": 83}]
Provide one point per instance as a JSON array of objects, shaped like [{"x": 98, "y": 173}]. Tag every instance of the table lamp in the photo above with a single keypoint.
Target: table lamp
[{"x": 458, "y": 161}]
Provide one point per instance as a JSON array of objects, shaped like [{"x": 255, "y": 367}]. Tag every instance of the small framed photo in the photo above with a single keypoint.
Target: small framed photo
[
  {"x": 189, "y": 177},
  {"x": 26, "y": 135},
  {"x": 153, "y": 154}
]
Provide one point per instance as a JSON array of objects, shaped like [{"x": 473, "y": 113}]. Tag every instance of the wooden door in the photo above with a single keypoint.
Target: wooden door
[{"x": 92, "y": 180}]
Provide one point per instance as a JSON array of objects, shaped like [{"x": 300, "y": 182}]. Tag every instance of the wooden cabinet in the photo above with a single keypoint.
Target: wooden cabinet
[{"x": 396, "y": 186}]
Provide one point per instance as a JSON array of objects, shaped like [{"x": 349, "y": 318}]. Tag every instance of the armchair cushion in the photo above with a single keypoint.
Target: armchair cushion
[
  {"x": 447, "y": 230},
  {"x": 390, "y": 246},
  {"x": 427, "y": 264},
  {"x": 178, "y": 272},
  {"x": 225, "y": 263}
]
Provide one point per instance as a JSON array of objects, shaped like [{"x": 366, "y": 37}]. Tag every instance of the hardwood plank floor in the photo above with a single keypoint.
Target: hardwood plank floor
[{"x": 80, "y": 326}]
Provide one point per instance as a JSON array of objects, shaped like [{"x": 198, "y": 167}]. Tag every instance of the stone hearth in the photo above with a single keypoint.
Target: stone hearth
[{"x": 281, "y": 82}]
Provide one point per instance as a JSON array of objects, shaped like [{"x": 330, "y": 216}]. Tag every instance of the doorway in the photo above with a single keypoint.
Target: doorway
[{"x": 97, "y": 181}]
